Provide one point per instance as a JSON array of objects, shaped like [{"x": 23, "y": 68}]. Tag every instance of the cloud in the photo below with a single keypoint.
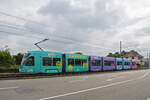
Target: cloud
[
  {"x": 93, "y": 27},
  {"x": 101, "y": 16}
]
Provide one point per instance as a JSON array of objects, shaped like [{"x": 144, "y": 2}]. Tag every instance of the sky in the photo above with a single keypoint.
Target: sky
[{"x": 93, "y": 27}]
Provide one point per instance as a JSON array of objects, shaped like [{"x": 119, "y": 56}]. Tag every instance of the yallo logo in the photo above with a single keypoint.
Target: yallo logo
[{"x": 70, "y": 67}]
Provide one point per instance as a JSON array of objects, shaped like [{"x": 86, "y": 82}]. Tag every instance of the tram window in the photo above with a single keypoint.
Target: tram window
[
  {"x": 127, "y": 63},
  {"x": 84, "y": 61},
  {"x": 78, "y": 62},
  {"x": 124, "y": 63},
  {"x": 133, "y": 63},
  {"x": 119, "y": 63},
  {"x": 30, "y": 61},
  {"x": 108, "y": 63},
  {"x": 55, "y": 61},
  {"x": 71, "y": 62},
  {"x": 112, "y": 62},
  {"x": 96, "y": 63},
  {"x": 47, "y": 61},
  {"x": 25, "y": 57}
]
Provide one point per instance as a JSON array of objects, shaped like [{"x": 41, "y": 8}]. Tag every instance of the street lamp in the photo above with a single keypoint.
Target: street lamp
[{"x": 36, "y": 44}]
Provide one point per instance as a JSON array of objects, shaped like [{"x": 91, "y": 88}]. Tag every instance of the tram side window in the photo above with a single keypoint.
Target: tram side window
[
  {"x": 55, "y": 61},
  {"x": 127, "y": 63},
  {"x": 83, "y": 62},
  {"x": 47, "y": 61},
  {"x": 71, "y": 62},
  {"x": 78, "y": 62},
  {"x": 108, "y": 63},
  {"x": 30, "y": 61},
  {"x": 133, "y": 63},
  {"x": 119, "y": 63},
  {"x": 124, "y": 63},
  {"x": 96, "y": 63}
]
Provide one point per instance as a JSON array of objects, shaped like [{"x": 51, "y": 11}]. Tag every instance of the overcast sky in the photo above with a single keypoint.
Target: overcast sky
[{"x": 94, "y": 27}]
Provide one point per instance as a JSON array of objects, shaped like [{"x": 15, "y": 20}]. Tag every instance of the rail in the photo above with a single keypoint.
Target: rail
[{"x": 7, "y": 76}]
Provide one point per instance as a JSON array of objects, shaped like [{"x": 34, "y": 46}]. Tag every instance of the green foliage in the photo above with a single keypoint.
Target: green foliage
[
  {"x": 79, "y": 53},
  {"x": 8, "y": 62},
  {"x": 12, "y": 69},
  {"x": 116, "y": 54},
  {"x": 124, "y": 53},
  {"x": 6, "y": 59},
  {"x": 18, "y": 58}
]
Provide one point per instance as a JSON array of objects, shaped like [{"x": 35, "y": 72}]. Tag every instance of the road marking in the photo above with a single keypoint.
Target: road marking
[
  {"x": 144, "y": 75},
  {"x": 108, "y": 80},
  {"x": 114, "y": 78},
  {"x": 84, "y": 78},
  {"x": 6, "y": 88},
  {"x": 90, "y": 89},
  {"x": 76, "y": 81}
]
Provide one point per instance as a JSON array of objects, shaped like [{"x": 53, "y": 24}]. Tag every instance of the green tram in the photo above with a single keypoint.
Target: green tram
[{"x": 53, "y": 62}]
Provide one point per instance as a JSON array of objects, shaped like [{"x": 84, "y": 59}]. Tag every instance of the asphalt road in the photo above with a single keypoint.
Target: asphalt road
[{"x": 129, "y": 85}]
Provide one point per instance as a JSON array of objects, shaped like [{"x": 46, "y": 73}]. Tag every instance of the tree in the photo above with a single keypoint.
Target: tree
[
  {"x": 5, "y": 58},
  {"x": 124, "y": 53},
  {"x": 18, "y": 58},
  {"x": 116, "y": 54},
  {"x": 79, "y": 53},
  {"x": 110, "y": 55}
]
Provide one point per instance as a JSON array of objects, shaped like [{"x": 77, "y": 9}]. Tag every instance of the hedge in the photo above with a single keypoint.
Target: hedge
[{"x": 13, "y": 69}]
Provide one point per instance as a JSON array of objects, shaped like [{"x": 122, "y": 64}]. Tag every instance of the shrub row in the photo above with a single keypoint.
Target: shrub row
[{"x": 13, "y": 69}]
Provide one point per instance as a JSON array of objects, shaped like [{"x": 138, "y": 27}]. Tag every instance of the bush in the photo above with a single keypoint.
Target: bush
[
  {"x": 6, "y": 59},
  {"x": 12, "y": 69},
  {"x": 9, "y": 63}
]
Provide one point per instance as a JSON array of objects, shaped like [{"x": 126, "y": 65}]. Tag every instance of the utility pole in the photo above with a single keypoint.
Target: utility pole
[
  {"x": 149, "y": 60},
  {"x": 120, "y": 49}
]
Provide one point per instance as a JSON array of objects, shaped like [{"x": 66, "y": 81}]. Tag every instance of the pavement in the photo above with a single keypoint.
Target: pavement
[{"x": 127, "y": 85}]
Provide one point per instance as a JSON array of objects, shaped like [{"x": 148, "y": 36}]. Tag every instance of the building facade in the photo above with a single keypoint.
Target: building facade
[{"x": 135, "y": 55}]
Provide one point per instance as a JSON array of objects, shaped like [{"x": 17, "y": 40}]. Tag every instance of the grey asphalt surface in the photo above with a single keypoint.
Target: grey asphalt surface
[{"x": 128, "y": 85}]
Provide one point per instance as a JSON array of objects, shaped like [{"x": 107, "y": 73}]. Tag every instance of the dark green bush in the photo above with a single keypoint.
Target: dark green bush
[{"x": 12, "y": 69}]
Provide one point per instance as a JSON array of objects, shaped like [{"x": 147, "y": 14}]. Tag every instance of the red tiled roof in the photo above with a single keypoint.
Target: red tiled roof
[{"x": 133, "y": 53}]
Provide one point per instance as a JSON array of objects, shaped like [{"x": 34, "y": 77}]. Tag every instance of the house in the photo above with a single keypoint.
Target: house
[{"x": 135, "y": 55}]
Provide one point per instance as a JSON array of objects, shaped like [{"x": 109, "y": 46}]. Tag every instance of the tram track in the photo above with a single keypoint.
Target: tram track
[{"x": 10, "y": 76}]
